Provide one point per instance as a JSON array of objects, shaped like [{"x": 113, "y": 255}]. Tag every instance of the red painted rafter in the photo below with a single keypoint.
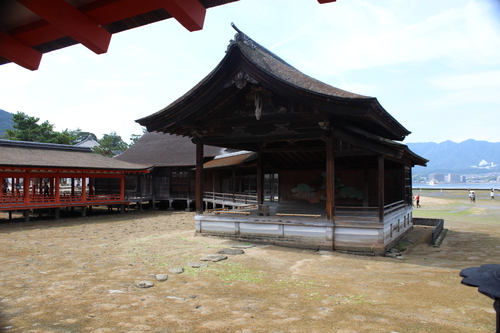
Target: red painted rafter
[
  {"x": 109, "y": 11},
  {"x": 16, "y": 51},
  {"x": 189, "y": 13},
  {"x": 72, "y": 22}
]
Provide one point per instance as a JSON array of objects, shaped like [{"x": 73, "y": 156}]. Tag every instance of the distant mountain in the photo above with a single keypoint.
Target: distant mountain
[
  {"x": 466, "y": 157},
  {"x": 5, "y": 121}
]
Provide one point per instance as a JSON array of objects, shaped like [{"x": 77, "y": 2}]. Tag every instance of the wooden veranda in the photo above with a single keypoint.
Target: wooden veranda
[{"x": 38, "y": 176}]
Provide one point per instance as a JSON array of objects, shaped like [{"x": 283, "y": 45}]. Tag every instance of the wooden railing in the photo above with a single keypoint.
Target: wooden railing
[
  {"x": 230, "y": 198},
  {"x": 367, "y": 212},
  {"x": 393, "y": 207},
  {"x": 18, "y": 200}
]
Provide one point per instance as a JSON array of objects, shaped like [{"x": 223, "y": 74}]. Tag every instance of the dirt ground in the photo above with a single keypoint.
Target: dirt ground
[{"x": 80, "y": 274}]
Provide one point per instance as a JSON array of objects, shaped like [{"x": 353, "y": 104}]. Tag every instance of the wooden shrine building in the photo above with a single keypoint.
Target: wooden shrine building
[
  {"x": 343, "y": 180},
  {"x": 55, "y": 176},
  {"x": 172, "y": 177}
]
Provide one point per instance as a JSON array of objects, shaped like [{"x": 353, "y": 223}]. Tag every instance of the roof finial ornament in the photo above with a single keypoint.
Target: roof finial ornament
[
  {"x": 240, "y": 36},
  {"x": 236, "y": 28}
]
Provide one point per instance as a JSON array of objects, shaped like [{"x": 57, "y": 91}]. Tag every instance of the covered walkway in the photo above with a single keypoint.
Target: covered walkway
[{"x": 54, "y": 176}]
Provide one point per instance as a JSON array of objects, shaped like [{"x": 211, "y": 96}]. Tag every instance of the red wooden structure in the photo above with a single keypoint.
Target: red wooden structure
[
  {"x": 40, "y": 176},
  {"x": 29, "y": 28}
]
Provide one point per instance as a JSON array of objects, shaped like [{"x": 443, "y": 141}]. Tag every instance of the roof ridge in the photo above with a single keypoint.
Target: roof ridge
[
  {"x": 245, "y": 39},
  {"x": 43, "y": 145}
]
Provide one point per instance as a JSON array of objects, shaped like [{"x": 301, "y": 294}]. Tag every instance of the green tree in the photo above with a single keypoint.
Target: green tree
[
  {"x": 110, "y": 144},
  {"x": 135, "y": 137},
  {"x": 26, "y": 128}
]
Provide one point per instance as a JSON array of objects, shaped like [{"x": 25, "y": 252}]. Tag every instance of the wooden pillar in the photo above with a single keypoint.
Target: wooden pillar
[
  {"x": 56, "y": 188},
  {"x": 381, "y": 189},
  {"x": 330, "y": 180},
  {"x": 402, "y": 185},
  {"x": 366, "y": 187},
  {"x": 84, "y": 190},
  {"x": 199, "y": 177},
  {"x": 26, "y": 190},
  {"x": 53, "y": 186},
  {"x": 122, "y": 187},
  {"x": 260, "y": 180},
  {"x": 91, "y": 186}
]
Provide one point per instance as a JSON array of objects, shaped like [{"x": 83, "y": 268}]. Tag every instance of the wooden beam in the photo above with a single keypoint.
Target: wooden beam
[
  {"x": 293, "y": 149},
  {"x": 263, "y": 138},
  {"x": 260, "y": 180},
  {"x": 326, "y": 1},
  {"x": 18, "y": 52},
  {"x": 189, "y": 13},
  {"x": 109, "y": 11},
  {"x": 381, "y": 189},
  {"x": 199, "y": 177},
  {"x": 330, "y": 180},
  {"x": 73, "y": 22}
]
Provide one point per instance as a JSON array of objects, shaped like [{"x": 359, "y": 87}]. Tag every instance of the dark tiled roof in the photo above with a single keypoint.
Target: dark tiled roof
[
  {"x": 265, "y": 67},
  {"x": 277, "y": 67},
  {"x": 47, "y": 155},
  {"x": 165, "y": 150}
]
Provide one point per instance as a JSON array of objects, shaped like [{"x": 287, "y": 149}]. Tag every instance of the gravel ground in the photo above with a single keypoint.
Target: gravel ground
[{"x": 81, "y": 275}]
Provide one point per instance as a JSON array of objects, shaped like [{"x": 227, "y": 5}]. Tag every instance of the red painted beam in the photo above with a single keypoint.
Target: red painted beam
[
  {"x": 189, "y": 13},
  {"x": 109, "y": 11},
  {"x": 326, "y": 1},
  {"x": 15, "y": 51},
  {"x": 36, "y": 33},
  {"x": 72, "y": 22}
]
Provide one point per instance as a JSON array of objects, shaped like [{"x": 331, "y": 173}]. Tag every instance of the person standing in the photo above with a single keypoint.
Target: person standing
[
  {"x": 45, "y": 189},
  {"x": 492, "y": 194},
  {"x": 417, "y": 200}
]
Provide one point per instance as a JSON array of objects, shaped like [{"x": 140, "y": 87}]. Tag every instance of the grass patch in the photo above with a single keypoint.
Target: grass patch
[
  {"x": 402, "y": 246},
  {"x": 205, "y": 244}
]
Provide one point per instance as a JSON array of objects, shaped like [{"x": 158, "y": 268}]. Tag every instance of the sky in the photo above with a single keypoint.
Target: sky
[{"x": 433, "y": 65}]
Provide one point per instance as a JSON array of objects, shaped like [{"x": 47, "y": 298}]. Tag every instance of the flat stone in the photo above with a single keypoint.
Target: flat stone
[
  {"x": 214, "y": 257},
  {"x": 145, "y": 284},
  {"x": 175, "y": 297},
  {"x": 176, "y": 270},
  {"x": 161, "y": 277},
  {"x": 231, "y": 251},
  {"x": 197, "y": 264}
]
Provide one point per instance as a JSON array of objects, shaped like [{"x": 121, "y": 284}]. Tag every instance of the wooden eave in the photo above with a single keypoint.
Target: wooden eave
[{"x": 68, "y": 171}]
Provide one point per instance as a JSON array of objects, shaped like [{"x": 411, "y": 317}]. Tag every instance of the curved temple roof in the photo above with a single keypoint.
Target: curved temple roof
[{"x": 246, "y": 61}]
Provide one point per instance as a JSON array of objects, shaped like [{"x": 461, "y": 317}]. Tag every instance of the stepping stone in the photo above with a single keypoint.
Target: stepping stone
[
  {"x": 145, "y": 284},
  {"x": 176, "y": 270},
  {"x": 197, "y": 265},
  {"x": 231, "y": 251},
  {"x": 161, "y": 277},
  {"x": 214, "y": 257}
]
